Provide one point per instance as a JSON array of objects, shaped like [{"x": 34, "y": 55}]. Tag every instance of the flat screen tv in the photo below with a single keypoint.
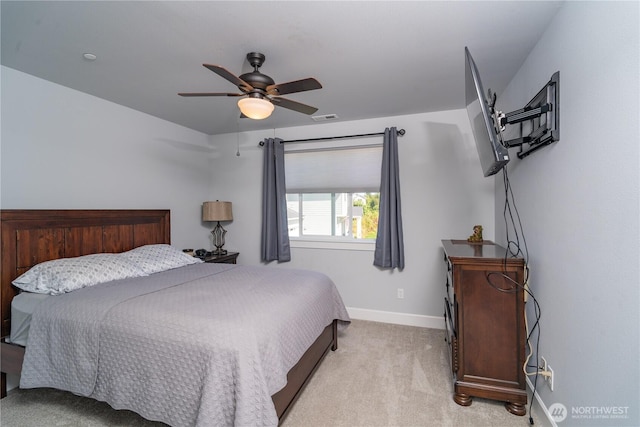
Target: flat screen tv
[{"x": 493, "y": 154}]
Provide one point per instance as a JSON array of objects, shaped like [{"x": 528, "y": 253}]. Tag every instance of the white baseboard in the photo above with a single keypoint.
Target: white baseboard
[
  {"x": 433, "y": 322},
  {"x": 541, "y": 403}
]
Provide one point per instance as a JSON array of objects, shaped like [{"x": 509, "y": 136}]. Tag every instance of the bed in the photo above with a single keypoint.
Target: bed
[{"x": 137, "y": 347}]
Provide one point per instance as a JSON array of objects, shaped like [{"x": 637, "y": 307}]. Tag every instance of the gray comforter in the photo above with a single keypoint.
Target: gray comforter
[{"x": 204, "y": 345}]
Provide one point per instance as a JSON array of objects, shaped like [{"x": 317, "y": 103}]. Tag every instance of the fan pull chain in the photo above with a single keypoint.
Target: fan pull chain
[{"x": 238, "y": 139}]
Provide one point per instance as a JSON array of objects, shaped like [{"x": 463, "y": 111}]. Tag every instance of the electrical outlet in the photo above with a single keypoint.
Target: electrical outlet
[
  {"x": 547, "y": 372},
  {"x": 400, "y": 293},
  {"x": 543, "y": 364}
]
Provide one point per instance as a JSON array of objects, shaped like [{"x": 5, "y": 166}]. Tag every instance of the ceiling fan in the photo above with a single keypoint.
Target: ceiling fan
[{"x": 259, "y": 91}]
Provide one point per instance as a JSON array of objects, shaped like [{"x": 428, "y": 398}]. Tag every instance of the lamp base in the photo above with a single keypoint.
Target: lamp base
[{"x": 218, "y": 239}]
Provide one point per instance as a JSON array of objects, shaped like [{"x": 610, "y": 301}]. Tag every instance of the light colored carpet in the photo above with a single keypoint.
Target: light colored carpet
[{"x": 381, "y": 375}]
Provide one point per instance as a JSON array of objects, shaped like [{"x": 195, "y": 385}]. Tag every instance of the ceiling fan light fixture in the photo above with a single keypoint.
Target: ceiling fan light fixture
[{"x": 255, "y": 108}]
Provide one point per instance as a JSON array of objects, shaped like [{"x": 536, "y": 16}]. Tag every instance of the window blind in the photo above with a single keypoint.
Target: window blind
[{"x": 334, "y": 170}]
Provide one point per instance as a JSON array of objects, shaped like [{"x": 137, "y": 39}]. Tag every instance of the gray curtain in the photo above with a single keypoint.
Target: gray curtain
[
  {"x": 275, "y": 235},
  {"x": 389, "y": 252}
]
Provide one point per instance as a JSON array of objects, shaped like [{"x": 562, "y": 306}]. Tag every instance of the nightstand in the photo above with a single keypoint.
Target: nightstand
[{"x": 228, "y": 258}]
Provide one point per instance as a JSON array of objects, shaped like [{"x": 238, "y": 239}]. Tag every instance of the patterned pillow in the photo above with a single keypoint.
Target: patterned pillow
[
  {"x": 154, "y": 258},
  {"x": 68, "y": 274}
]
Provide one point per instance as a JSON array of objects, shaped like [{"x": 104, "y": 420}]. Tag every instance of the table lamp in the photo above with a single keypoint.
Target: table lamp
[{"x": 217, "y": 211}]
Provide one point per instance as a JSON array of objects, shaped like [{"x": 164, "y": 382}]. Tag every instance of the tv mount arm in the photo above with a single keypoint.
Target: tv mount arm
[{"x": 543, "y": 112}]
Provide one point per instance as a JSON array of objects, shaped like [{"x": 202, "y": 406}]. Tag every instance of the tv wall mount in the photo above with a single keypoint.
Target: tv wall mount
[{"x": 539, "y": 120}]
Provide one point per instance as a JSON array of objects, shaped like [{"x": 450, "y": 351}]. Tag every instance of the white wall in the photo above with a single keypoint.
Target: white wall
[
  {"x": 579, "y": 202},
  {"x": 63, "y": 149},
  {"x": 443, "y": 196}
]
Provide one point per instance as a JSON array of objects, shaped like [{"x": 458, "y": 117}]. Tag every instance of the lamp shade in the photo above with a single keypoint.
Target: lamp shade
[
  {"x": 255, "y": 108},
  {"x": 217, "y": 211}
]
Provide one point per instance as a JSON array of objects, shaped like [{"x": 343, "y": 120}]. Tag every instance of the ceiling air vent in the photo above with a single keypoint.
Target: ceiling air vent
[{"x": 325, "y": 117}]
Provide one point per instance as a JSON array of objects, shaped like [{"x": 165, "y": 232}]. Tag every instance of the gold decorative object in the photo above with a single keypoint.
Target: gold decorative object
[{"x": 477, "y": 234}]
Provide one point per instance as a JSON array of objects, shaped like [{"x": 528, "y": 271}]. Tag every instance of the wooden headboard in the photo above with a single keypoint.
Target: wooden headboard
[{"x": 29, "y": 237}]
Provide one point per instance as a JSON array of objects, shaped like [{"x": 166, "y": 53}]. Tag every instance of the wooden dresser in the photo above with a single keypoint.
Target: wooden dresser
[{"x": 484, "y": 317}]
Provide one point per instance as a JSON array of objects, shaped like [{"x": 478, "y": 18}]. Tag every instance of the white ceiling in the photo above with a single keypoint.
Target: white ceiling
[{"x": 374, "y": 59}]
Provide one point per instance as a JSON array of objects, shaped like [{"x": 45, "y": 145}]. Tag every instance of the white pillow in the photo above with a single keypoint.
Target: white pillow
[
  {"x": 68, "y": 274},
  {"x": 154, "y": 258}
]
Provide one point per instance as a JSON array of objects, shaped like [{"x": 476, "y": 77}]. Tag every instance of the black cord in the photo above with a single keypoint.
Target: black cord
[
  {"x": 538, "y": 313},
  {"x": 515, "y": 249},
  {"x": 508, "y": 195}
]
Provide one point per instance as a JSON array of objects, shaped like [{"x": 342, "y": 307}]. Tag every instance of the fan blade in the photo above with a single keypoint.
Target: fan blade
[
  {"x": 295, "y": 86},
  {"x": 223, "y": 72},
  {"x": 293, "y": 105},
  {"x": 210, "y": 94}
]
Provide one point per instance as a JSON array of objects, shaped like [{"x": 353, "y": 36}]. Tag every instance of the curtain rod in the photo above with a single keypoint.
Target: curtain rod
[{"x": 399, "y": 132}]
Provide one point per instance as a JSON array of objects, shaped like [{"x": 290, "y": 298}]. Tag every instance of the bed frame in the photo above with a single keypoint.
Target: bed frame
[{"x": 29, "y": 237}]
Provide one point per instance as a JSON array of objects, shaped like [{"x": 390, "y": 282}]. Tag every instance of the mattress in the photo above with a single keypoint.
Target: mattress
[
  {"x": 200, "y": 345},
  {"x": 22, "y": 307}
]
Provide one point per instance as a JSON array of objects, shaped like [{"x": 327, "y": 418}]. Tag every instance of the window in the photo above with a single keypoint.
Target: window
[
  {"x": 333, "y": 191},
  {"x": 351, "y": 215}
]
